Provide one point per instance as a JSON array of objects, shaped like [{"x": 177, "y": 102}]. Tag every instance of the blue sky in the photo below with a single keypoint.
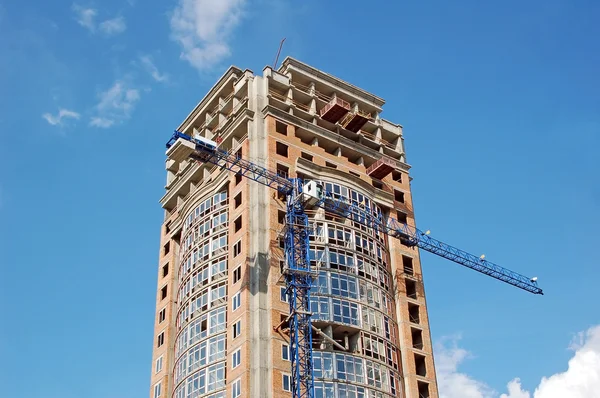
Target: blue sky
[{"x": 500, "y": 106}]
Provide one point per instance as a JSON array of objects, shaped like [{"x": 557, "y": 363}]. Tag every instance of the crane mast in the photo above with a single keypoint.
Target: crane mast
[
  {"x": 298, "y": 279},
  {"x": 298, "y": 273}
]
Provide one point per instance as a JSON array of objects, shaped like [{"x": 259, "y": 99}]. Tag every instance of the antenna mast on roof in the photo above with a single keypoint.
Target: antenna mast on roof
[{"x": 278, "y": 52}]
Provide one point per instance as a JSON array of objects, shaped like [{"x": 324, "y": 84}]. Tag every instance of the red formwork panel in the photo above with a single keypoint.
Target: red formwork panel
[
  {"x": 355, "y": 122},
  {"x": 381, "y": 168},
  {"x": 335, "y": 110}
]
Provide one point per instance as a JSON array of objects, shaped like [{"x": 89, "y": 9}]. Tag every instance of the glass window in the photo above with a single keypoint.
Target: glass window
[
  {"x": 237, "y": 300},
  {"x": 323, "y": 365},
  {"x": 236, "y": 358},
  {"x": 237, "y": 328},
  {"x": 236, "y": 389},
  {"x": 345, "y": 312},
  {"x": 287, "y": 383},
  {"x": 322, "y": 283},
  {"x": 157, "y": 389},
  {"x": 216, "y": 348},
  {"x": 343, "y": 285},
  {"x": 375, "y": 377},
  {"x": 215, "y": 377},
  {"x": 320, "y": 308},
  {"x": 285, "y": 352},
  {"x": 218, "y": 269},
  {"x": 283, "y": 296},
  {"x": 218, "y": 293},
  {"x": 159, "y": 364},
  {"x": 218, "y": 243},
  {"x": 340, "y": 367},
  {"x": 324, "y": 390}
]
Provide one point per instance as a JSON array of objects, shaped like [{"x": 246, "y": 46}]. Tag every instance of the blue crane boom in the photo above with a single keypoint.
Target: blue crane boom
[
  {"x": 410, "y": 236},
  {"x": 298, "y": 271}
]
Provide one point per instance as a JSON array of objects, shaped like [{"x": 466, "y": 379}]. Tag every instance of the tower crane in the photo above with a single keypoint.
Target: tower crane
[{"x": 298, "y": 274}]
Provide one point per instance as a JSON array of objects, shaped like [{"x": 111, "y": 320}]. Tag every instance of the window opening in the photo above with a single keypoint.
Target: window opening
[
  {"x": 306, "y": 156},
  {"x": 280, "y": 127},
  {"x": 413, "y": 313},
  {"x": 401, "y": 216},
  {"x": 281, "y": 149},
  {"x": 411, "y": 289},
  {"x": 283, "y": 171},
  {"x": 423, "y": 389},
  {"x": 237, "y": 248},
  {"x": 237, "y": 328},
  {"x": 237, "y": 274},
  {"x": 417, "y": 338},
  {"x": 420, "y": 367},
  {"x": 399, "y": 196},
  {"x": 407, "y": 263}
]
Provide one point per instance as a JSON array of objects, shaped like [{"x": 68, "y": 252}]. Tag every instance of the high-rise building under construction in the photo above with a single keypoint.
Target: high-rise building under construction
[{"x": 221, "y": 308}]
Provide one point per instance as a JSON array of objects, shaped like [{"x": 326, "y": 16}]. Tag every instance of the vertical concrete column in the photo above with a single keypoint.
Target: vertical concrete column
[
  {"x": 376, "y": 118},
  {"x": 261, "y": 367},
  {"x": 378, "y": 134},
  {"x": 313, "y": 102},
  {"x": 313, "y": 107},
  {"x": 403, "y": 156}
]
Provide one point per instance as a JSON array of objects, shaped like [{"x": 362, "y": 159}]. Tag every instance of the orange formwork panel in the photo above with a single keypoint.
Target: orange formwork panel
[
  {"x": 355, "y": 121},
  {"x": 335, "y": 110},
  {"x": 381, "y": 168}
]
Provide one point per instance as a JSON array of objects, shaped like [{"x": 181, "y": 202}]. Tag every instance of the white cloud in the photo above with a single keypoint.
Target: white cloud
[
  {"x": 202, "y": 28},
  {"x": 113, "y": 26},
  {"x": 58, "y": 118},
  {"x": 115, "y": 105},
  {"x": 152, "y": 69},
  {"x": 451, "y": 382},
  {"x": 515, "y": 390},
  {"x": 582, "y": 377},
  {"x": 580, "y": 380},
  {"x": 85, "y": 17},
  {"x": 101, "y": 122}
]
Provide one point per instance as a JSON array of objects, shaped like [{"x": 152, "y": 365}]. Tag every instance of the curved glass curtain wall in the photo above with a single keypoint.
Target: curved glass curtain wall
[
  {"x": 353, "y": 293},
  {"x": 202, "y": 297}
]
